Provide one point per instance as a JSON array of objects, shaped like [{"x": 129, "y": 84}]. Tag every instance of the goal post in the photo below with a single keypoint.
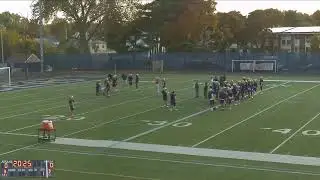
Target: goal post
[
  {"x": 5, "y": 77},
  {"x": 157, "y": 66},
  {"x": 254, "y": 66}
]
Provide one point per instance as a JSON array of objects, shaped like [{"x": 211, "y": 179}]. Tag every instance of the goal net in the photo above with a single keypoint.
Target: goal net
[
  {"x": 157, "y": 66},
  {"x": 5, "y": 77},
  {"x": 254, "y": 65}
]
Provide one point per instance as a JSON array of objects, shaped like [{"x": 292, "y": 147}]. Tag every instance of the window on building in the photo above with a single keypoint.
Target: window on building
[
  {"x": 288, "y": 42},
  {"x": 283, "y": 42}
]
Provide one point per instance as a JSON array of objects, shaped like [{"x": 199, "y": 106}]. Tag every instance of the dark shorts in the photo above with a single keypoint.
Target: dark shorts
[
  {"x": 211, "y": 102},
  {"x": 165, "y": 98},
  {"x": 71, "y": 108},
  {"x": 130, "y": 83},
  {"x": 173, "y": 103},
  {"x": 222, "y": 101},
  {"x": 114, "y": 84}
]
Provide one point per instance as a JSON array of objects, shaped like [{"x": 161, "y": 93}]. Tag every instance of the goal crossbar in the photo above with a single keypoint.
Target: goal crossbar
[{"x": 254, "y": 63}]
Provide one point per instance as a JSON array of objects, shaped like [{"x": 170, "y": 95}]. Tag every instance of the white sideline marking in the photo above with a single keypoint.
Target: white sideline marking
[
  {"x": 254, "y": 115},
  {"x": 204, "y": 152},
  {"x": 286, "y": 140},
  {"x": 172, "y": 161},
  {"x": 46, "y": 86},
  {"x": 176, "y": 161},
  {"x": 18, "y": 149},
  {"x": 298, "y": 81},
  {"x": 18, "y": 134},
  {"x": 106, "y": 174}
]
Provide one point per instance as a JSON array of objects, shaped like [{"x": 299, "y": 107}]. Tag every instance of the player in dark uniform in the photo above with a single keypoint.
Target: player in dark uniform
[
  {"x": 164, "y": 83},
  {"x": 173, "y": 101},
  {"x": 109, "y": 76},
  {"x": 222, "y": 97},
  {"x": 71, "y": 105},
  {"x": 124, "y": 78},
  {"x": 165, "y": 97},
  {"x": 205, "y": 90},
  {"x": 137, "y": 80},
  {"x": 98, "y": 88},
  {"x": 130, "y": 79},
  {"x": 107, "y": 88},
  {"x": 261, "y": 83},
  {"x": 255, "y": 85},
  {"x": 196, "y": 88}
]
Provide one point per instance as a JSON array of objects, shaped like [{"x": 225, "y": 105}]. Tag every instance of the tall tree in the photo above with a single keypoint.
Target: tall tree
[{"x": 86, "y": 15}]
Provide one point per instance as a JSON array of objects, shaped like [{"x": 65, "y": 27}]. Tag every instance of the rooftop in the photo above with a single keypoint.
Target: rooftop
[{"x": 296, "y": 30}]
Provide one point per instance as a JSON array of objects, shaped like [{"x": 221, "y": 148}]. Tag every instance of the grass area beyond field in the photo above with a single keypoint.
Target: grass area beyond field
[{"x": 127, "y": 129}]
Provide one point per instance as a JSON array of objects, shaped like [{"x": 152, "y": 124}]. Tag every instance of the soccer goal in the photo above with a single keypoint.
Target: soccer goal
[
  {"x": 157, "y": 66},
  {"x": 254, "y": 66},
  {"x": 5, "y": 77}
]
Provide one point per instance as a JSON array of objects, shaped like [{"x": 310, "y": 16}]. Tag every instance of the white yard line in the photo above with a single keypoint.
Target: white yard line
[
  {"x": 16, "y": 94},
  {"x": 18, "y": 149},
  {"x": 166, "y": 125},
  {"x": 106, "y": 174},
  {"x": 290, "y": 137},
  {"x": 185, "y": 162},
  {"x": 254, "y": 115}
]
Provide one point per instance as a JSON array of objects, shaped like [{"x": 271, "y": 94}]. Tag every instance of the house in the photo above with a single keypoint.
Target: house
[
  {"x": 294, "y": 39},
  {"x": 99, "y": 47},
  {"x": 23, "y": 61},
  {"x": 49, "y": 41}
]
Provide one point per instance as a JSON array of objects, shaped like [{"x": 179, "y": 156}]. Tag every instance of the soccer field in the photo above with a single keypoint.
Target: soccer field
[{"x": 275, "y": 135}]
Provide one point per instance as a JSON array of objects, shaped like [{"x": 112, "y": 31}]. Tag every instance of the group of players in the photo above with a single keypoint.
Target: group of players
[
  {"x": 229, "y": 92},
  {"x": 216, "y": 90},
  {"x": 111, "y": 81}
]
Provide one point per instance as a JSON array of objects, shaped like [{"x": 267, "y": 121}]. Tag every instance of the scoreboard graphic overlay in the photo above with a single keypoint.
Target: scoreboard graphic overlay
[{"x": 27, "y": 168}]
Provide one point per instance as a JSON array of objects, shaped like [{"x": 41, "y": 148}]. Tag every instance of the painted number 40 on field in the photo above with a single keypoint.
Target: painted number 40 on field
[{"x": 287, "y": 131}]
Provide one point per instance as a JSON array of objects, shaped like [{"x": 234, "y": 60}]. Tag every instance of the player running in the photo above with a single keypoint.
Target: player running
[{"x": 71, "y": 105}]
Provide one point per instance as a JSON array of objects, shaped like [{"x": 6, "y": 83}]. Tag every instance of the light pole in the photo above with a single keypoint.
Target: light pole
[{"x": 2, "y": 54}]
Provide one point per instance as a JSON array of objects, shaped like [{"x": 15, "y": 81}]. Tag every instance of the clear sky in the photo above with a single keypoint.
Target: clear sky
[{"x": 23, "y": 7}]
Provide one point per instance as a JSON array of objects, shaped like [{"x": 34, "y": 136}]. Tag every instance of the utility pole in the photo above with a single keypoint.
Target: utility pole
[
  {"x": 2, "y": 56},
  {"x": 41, "y": 35}
]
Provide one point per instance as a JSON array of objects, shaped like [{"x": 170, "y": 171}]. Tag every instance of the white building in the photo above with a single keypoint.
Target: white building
[{"x": 294, "y": 39}]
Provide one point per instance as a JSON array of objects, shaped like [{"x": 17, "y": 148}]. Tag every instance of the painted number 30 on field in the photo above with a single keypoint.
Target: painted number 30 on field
[
  {"x": 286, "y": 131},
  {"x": 162, "y": 123},
  {"x": 63, "y": 117}
]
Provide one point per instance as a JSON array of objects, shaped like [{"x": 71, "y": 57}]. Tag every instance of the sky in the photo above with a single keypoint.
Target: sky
[{"x": 23, "y": 7}]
